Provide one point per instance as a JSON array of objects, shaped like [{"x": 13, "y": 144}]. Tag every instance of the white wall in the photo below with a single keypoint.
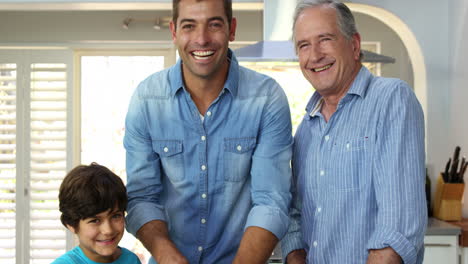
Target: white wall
[
  {"x": 73, "y": 26},
  {"x": 372, "y": 29}
]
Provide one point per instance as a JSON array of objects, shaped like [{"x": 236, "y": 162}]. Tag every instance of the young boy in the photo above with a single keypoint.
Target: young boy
[{"x": 93, "y": 201}]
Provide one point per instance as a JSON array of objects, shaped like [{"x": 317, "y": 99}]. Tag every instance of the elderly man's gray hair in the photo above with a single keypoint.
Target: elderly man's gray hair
[{"x": 345, "y": 18}]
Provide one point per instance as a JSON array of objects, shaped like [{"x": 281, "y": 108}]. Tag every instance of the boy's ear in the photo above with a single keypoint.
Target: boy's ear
[{"x": 71, "y": 228}]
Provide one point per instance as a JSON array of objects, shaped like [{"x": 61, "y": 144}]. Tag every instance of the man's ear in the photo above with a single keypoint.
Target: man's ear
[
  {"x": 232, "y": 29},
  {"x": 356, "y": 46},
  {"x": 172, "y": 27}
]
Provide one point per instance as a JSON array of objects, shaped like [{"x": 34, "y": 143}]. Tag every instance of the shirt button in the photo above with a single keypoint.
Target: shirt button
[
  {"x": 315, "y": 243},
  {"x": 166, "y": 149},
  {"x": 319, "y": 209},
  {"x": 200, "y": 248},
  {"x": 203, "y": 196},
  {"x": 327, "y": 137},
  {"x": 208, "y": 113},
  {"x": 203, "y": 167},
  {"x": 203, "y": 220},
  {"x": 239, "y": 147},
  {"x": 203, "y": 138},
  {"x": 322, "y": 172}
]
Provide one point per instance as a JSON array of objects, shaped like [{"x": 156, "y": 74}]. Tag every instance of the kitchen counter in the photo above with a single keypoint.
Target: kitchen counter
[{"x": 436, "y": 227}]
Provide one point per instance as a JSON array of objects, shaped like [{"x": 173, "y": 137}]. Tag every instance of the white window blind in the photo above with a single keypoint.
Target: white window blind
[
  {"x": 8, "y": 162},
  {"x": 36, "y": 149},
  {"x": 48, "y": 159}
]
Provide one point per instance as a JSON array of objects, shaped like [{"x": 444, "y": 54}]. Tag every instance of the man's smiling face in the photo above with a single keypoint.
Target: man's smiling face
[
  {"x": 327, "y": 59},
  {"x": 202, "y": 34}
]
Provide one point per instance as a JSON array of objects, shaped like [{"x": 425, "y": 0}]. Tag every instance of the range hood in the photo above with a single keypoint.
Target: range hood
[{"x": 276, "y": 44}]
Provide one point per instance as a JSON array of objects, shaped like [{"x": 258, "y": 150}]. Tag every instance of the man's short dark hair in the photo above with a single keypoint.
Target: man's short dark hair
[
  {"x": 88, "y": 190},
  {"x": 227, "y": 10}
]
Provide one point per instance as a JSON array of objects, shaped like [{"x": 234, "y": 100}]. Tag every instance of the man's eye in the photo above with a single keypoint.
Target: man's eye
[
  {"x": 187, "y": 26},
  {"x": 93, "y": 221},
  {"x": 301, "y": 46},
  {"x": 216, "y": 25}
]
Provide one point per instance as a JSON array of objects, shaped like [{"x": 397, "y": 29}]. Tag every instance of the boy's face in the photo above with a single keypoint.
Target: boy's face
[{"x": 99, "y": 236}]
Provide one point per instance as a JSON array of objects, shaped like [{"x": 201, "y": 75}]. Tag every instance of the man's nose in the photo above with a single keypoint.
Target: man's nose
[
  {"x": 315, "y": 54},
  {"x": 202, "y": 36}
]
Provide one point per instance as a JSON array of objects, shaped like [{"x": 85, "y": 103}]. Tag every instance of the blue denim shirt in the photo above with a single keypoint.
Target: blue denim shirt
[
  {"x": 210, "y": 179},
  {"x": 359, "y": 179}
]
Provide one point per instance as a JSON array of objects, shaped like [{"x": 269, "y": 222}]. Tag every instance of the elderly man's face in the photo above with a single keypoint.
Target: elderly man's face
[{"x": 327, "y": 59}]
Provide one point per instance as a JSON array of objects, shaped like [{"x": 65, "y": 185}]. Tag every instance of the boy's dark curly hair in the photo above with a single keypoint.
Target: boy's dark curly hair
[{"x": 88, "y": 190}]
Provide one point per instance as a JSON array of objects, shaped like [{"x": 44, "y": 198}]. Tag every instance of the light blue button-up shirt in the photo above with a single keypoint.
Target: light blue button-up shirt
[
  {"x": 359, "y": 179},
  {"x": 210, "y": 179}
]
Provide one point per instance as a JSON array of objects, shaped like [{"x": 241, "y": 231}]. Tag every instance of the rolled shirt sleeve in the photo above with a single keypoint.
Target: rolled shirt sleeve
[
  {"x": 271, "y": 171},
  {"x": 143, "y": 170},
  {"x": 400, "y": 176}
]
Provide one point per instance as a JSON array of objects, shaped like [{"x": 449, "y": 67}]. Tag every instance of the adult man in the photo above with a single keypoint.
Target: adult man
[
  {"x": 358, "y": 156},
  {"x": 208, "y": 149}
]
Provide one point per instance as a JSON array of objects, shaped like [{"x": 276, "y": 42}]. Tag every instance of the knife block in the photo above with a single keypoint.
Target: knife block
[{"x": 448, "y": 200}]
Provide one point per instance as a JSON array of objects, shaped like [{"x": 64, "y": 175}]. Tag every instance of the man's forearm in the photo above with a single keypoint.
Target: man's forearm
[
  {"x": 155, "y": 237},
  {"x": 298, "y": 256},
  {"x": 383, "y": 256},
  {"x": 256, "y": 246}
]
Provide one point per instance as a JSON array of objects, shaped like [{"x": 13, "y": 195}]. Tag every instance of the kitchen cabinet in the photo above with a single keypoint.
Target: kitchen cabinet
[
  {"x": 441, "y": 249},
  {"x": 441, "y": 243}
]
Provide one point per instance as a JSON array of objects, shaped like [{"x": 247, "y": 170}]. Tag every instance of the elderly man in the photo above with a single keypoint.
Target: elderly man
[{"x": 358, "y": 157}]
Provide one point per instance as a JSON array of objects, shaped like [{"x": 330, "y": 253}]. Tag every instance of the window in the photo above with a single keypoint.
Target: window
[
  {"x": 8, "y": 160},
  {"x": 35, "y": 103},
  {"x": 104, "y": 101},
  {"x": 40, "y": 125}
]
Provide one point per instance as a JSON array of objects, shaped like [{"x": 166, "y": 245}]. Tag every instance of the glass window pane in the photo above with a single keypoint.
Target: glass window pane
[{"x": 107, "y": 83}]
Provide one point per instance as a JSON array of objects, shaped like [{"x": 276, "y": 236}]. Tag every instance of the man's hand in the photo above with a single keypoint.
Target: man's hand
[
  {"x": 296, "y": 257},
  {"x": 256, "y": 246},
  {"x": 165, "y": 252},
  {"x": 155, "y": 238},
  {"x": 383, "y": 256}
]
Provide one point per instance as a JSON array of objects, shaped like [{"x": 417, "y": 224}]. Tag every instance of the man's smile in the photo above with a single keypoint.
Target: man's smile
[
  {"x": 326, "y": 67},
  {"x": 202, "y": 54}
]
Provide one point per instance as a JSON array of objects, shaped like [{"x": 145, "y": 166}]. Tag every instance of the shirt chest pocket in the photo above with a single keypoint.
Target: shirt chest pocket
[
  {"x": 238, "y": 158},
  {"x": 172, "y": 159},
  {"x": 351, "y": 165}
]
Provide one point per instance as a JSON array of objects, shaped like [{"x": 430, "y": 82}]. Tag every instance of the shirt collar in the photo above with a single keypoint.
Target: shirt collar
[
  {"x": 361, "y": 82},
  {"x": 358, "y": 87},
  {"x": 177, "y": 81}
]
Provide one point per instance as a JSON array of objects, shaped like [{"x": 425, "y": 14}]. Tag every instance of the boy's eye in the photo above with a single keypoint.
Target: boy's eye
[
  {"x": 117, "y": 215},
  {"x": 93, "y": 221}
]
